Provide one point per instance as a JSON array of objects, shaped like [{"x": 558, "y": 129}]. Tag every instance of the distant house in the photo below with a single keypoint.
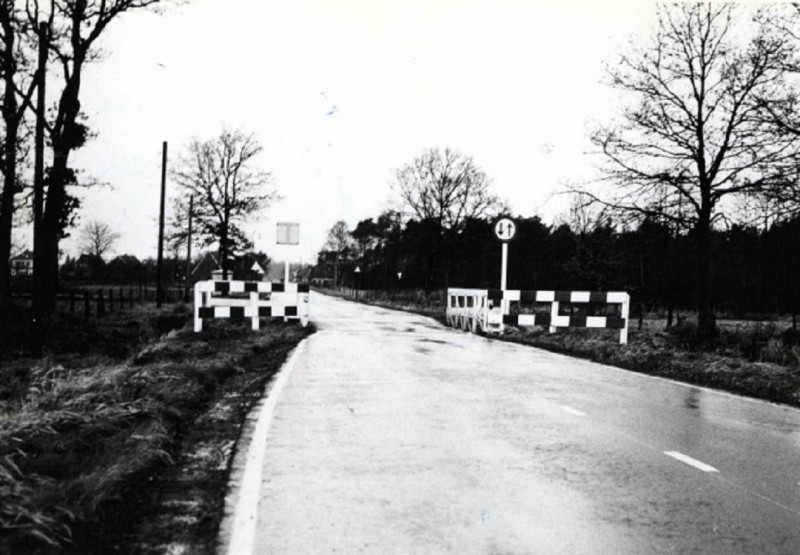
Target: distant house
[
  {"x": 124, "y": 269},
  {"x": 322, "y": 281},
  {"x": 89, "y": 267},
  {"x": 22, "y": 264},
  {"x": 241, "y": 268}
]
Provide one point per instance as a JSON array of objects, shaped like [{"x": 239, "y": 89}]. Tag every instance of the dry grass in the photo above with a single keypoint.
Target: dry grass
[
  {"x": 748, "y": 362},
  {"x": 76, "y": 439}
]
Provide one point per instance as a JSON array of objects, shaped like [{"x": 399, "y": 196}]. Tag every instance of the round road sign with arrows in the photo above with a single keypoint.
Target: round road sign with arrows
[{"x": 505, "y": 229}]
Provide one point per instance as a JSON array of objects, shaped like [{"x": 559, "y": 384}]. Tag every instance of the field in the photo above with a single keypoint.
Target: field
[
  {"x": 756, "y": 358},
  {"x": 120, "y": 439}
]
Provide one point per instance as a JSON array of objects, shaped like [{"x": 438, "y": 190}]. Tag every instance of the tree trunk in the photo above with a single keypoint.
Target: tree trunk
[
  {"x": 48, "y": 261},
  {"x": 223, "y": 252},
  {"x": 64, "y": 140},
  {"x": 7, "y": 215},
  {"x": 336, "y": 271},
  {"x": 46, "y": 256},
  {"x": 706, "y": 322},
  {"x": 10, "y": 175},
  {"x": 672, "y": 279}
]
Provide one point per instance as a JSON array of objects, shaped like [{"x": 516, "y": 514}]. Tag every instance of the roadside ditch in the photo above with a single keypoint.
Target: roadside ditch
[{"x": 130, "y": 453}]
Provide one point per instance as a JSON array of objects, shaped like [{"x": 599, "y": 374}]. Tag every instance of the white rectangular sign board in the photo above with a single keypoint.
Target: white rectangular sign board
[{"x": 288, "y": 234}]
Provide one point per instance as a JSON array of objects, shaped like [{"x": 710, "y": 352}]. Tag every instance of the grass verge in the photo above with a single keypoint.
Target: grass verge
[
  {"x": 123, "y": 445},
  {"x": 760, "y": 360}
]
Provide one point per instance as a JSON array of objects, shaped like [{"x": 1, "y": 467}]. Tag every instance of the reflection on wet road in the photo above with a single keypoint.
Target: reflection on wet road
[{"x": 396, "y": 435}]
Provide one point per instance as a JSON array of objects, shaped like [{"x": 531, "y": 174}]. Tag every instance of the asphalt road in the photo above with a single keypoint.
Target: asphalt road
[{"x": 394, "y": 434}]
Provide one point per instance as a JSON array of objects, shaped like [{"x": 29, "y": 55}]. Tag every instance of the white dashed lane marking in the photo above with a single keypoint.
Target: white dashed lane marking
[
  {"x": 570, "y": 410},
  {"x": 686, "y": 459},
  {"x": 690, "y": 461}
]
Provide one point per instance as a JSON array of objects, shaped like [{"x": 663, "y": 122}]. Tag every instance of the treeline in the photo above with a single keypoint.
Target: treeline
[
  {"x": 123, "y": 269},
  {"x": 128, "y": 269},
  {"x": 753, "y": 270}
]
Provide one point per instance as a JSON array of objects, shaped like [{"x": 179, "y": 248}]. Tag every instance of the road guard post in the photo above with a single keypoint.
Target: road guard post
[
  {"x": 488, "y": 310},
  {"x": 249, "y": 299}
]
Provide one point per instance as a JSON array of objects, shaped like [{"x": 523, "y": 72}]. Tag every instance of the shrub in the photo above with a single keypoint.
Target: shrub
[{"x": 790, "y": 337}]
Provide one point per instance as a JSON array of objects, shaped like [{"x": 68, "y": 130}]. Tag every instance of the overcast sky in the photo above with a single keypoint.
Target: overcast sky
[{"x": 341, "y": 93}]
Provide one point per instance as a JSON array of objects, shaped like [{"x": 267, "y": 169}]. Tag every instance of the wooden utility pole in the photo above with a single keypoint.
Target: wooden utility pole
[
  {"x": 189, "y": 249},
  {"x": 37, "y": 332},
  {"x": 159, "y": 264}
]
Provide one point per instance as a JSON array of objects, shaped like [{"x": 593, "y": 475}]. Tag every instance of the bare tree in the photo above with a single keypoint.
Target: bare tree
[
  {"x": 784, "y": 112},
  {"x": 227, "y": 188},
  {"x": 583, "y": 216},
  {"x": 97, "y": 238},
  {"x": 339, "y": 241},
  {"x": 446, "y": 187},
  {"x": 75, "y": 27},
  {"x": 18, "y": 86},
  {"x": 339, "y": 238},
  {"x": 178, "y": 224},
  {"x": 696, "y": 134}
]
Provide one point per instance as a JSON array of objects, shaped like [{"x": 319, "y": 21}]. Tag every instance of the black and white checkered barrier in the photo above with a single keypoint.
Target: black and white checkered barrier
[
  {"x": 249, "y": 299},
  {"x": 489, "y": 310}
]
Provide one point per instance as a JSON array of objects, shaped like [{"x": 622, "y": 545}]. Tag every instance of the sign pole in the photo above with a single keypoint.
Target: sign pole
[
  {"x": 505, "y": 229},
  {"x": 504, "y": 268},
  {"x": 288, "y": 234}
]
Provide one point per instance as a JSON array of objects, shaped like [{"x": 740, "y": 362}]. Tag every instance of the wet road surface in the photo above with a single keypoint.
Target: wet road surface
[{"x": 394, "y": 434}]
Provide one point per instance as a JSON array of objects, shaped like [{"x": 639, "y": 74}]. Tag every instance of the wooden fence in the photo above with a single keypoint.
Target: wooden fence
[{"x": 99, "y": 301}]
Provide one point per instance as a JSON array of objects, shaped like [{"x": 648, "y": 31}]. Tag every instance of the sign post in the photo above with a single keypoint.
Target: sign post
[
  {"x": 504, "y": 268},
  {"x": 288, "y": 234},
  {"x": 505, "y": 229}
]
